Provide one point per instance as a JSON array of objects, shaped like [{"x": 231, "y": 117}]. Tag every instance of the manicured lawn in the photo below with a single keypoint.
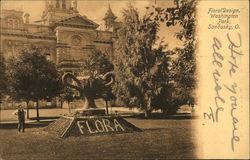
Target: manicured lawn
[{"x": 160, "y": 139}]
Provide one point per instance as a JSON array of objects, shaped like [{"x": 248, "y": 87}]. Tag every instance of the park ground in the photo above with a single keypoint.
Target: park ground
[{"x": 162, "y": 138}]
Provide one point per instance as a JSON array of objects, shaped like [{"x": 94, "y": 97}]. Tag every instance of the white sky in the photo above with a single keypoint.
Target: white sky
[{"x": 95, "y": 10}]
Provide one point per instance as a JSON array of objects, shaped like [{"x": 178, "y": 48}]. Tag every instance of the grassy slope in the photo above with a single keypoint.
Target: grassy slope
[{"x": 166, "y": 139}]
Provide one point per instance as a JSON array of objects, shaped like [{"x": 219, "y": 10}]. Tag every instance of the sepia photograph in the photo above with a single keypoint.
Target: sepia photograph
[{"x": 130, "y": 79}]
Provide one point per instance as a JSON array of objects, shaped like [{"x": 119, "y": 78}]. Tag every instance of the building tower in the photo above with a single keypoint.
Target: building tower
[
  {"x": 58, "y": 9},
  {"x": 109, "y": 19}
]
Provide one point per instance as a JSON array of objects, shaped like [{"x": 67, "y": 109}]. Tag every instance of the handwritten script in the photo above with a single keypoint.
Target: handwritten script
[{"x": 221, "y": 63}]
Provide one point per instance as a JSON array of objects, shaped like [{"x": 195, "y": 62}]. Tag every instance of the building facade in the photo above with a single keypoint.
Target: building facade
[{"x": 62, "y": 34}]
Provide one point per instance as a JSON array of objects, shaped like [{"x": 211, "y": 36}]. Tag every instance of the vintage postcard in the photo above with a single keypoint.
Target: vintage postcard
[
  {"x": 223, "y": 63},
  {"x": 129, "y": 79}
]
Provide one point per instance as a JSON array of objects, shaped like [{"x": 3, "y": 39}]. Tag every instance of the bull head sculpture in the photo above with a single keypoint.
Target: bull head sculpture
[{"x": 91, "y": 88}]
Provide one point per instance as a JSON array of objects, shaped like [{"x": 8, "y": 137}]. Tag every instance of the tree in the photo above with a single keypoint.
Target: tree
[
  {"x": 3, "y": 79},
  {"x": 184, "y": 70},
  {"x": 96, "y": 63},
  {"x": 66, "y": 95},
  {"x": 32, "y": 77},
  {"x": 140, "y": 67}
]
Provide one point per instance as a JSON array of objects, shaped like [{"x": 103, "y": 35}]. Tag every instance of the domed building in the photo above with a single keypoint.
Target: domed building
[{"x": 62, "y": 34}]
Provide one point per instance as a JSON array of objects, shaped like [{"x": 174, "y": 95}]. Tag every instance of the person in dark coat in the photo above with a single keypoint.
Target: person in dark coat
[{"x": 21, "y": 118}]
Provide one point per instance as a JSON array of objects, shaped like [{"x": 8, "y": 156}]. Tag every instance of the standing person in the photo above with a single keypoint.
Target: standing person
[{"x": 21, "y": 118}]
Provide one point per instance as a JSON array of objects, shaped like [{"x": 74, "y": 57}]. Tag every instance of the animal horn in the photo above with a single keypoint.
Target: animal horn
[
  {"x": 65, "y": 78},
  {"x": 105, "y": 76}
]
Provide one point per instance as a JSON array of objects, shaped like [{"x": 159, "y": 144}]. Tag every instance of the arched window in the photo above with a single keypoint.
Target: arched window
[
  {"x": 47, "y": 53},
  {"x": 7, "y": 24},
  {"x": 10, "y": 23},
  {"x": 57, "y": 4},
  {"x": 1, "y": 57},
  {"x": 16, "y": 24},
  {"x": 48, "y": 56},
  {"x": 13, "y": 23},
  {"x": 63, "y": 4},
  {"x": 10, "y": 46}
]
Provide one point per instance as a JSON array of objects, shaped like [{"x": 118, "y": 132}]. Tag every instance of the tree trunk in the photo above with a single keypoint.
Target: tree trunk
[
  {"x": 107, "y": 107},
  {"x": 28, "y": 113},
  {"x": 69, "y": 107},
  {"x": 147, "y": 113},
  {"x": 61, "y": 104},
  {"x": 111, "y": 110},
  {"x": 0, "y": 109},
  {"x": 89, "y": 102},
  {"x": 37, "y": 111}
]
